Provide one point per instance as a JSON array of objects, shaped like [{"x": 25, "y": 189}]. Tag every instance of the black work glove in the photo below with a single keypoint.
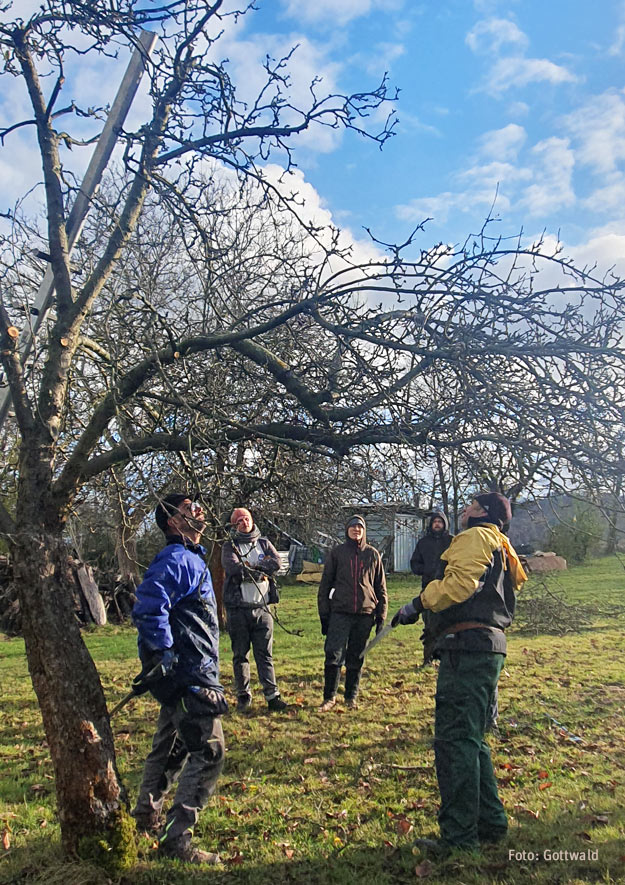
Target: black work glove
[
  {"x": 407, "y": 614},
  {"x": 325, "y": 623},
  {"x": 206, "y": 701},
  {"x": 379, "y": 625},
  {"x": 159, "y": 664}
]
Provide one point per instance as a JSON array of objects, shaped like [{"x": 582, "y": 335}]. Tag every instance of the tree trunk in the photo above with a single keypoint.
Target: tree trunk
[
  {"x": 91, "y": 799},
  {"x": 126, "y": 553}
]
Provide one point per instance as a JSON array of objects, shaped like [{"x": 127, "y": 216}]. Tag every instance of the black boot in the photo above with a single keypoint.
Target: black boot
[
  {"x": 352, "y": 679},
  {"x": 331, "y": 674}
]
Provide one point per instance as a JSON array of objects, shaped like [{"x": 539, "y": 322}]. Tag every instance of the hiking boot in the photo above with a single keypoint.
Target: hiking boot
[
  {"x": 438, "y": 849},
  {"x": 244, "y": 702},
  {"x": 434, "y": 848},
  {"x": 327, "y": 705},
  {"x": 181, "y": 849},
  {"x": 351, "y": 703},
  {"x": 276, "y": 705},
  {"x": 148, "y": 821}
]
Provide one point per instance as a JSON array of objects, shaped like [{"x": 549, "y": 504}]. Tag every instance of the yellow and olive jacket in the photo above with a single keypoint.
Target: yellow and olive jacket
[{"x": 482, "y": 576}]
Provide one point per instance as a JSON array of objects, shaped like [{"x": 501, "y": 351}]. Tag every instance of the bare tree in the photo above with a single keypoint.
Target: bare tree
[{"x": 227, "y": 348}]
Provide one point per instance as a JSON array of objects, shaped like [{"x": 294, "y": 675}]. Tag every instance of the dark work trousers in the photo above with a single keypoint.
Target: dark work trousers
[
  {"x": 345, "y": 642},
  {"x": 252, "y": 626},
  {"x": 471, "y": 810},
  {"x": 188, "y": 747}
]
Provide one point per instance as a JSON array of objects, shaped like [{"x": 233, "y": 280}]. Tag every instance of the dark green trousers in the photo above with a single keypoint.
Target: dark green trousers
[{"x": 471, "y": 810}]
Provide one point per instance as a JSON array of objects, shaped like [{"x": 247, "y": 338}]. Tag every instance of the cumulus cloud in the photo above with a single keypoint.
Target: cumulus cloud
[
  {"x": 552, "y": 174},
  {"x": 517, "y": 71},
  {"x": 309, "y": 61},
  {"x": 489, "y": 35},
  {"x": 503, "y": 144},
  {"x": 498, "y": 183},
  {"x": 335, "y": 12},
  {"x": 598, "y": 128},
  {"x": 503, "y": 41}
]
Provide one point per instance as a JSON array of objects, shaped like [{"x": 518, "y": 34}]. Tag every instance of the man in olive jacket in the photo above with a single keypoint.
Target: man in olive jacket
[
  {"x": 472, "y": 605},
  {"x": 352, "y": 598}
]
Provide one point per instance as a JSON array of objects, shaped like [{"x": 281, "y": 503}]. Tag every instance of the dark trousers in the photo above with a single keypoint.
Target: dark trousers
[
  {"x": 187, "y": 747},
  {"x": 345, "y": 642},
  {"x": 470, "y": 806},
  {"x": 252, "y": 627}
]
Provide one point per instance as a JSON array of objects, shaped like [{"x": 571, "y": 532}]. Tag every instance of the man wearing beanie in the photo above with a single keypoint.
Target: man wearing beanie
[
  {"x": 472, "y": 604},
  {"x": 352, "y": 598},
  {"x": 250, "y": 561}
]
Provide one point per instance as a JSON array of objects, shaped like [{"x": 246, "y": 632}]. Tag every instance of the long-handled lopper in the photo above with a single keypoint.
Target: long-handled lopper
[
  {"x": 140, "y": 684},
  {"x": 377, "y": 638}
]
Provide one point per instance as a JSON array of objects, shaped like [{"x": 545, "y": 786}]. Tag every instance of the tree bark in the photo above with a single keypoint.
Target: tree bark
[{"x": 90, "y": 794}]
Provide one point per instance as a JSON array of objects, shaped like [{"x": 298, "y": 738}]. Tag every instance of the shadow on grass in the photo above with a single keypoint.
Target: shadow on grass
[{"x": 526, "y": 856}]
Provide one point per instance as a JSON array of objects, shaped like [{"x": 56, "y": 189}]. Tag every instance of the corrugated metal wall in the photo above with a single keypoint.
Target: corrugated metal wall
[{"x": 407, "y": 529}]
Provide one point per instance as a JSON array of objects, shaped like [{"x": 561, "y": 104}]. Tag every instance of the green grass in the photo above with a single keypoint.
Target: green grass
[{"x": 338, "y": 798}]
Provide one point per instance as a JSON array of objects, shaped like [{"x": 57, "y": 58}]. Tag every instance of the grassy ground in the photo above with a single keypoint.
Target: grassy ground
[{"x": 338, "y": 798}]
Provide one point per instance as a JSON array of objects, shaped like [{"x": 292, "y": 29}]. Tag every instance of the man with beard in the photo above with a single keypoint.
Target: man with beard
[
  {"x": 351, "y": 599},
  {"x": 250, "y": 561},
  {"x": 176, "y": 617},
  {"x": 472, "y": 605},
  {"x": 426, "y": 561}
]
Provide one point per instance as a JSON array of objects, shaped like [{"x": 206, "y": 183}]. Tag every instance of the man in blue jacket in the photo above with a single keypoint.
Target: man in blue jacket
[{"x": 176, "y": 616}]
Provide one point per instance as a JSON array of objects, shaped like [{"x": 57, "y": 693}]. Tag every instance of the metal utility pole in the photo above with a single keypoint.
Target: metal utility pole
[{"x": 91, "y": 182}]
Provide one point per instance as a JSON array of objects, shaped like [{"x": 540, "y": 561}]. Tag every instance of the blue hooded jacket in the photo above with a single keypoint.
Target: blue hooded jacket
[{"x": 176, "y": 608}]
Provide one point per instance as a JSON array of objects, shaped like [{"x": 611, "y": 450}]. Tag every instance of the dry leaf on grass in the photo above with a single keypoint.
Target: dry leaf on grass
[{"x": 423, "y": 870}]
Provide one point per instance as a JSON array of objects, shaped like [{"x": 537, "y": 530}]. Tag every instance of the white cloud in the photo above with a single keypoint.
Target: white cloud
[
  {"x": 552, "y": 187},
  {"x": 496, "y": 183},
  {"x": 383, "y": 56},
  {"x": 314, "y": 212},
  {"x": 517, "y": 71},
  {"x": 616, "y": 47},
  {"x": 598, "y": 128},
  {"x": 608, "y": 198},
  {"x": 505, "y": 42},
  {"x": 489, "y": 35},
  {"x": 308, "y": 62},
  {"x": 335, "y": 12},
  {"x": 503, "y": 144}
]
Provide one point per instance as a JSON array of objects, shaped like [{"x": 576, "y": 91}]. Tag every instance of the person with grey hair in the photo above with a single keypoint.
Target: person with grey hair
[{"x": 351, "y": 599}]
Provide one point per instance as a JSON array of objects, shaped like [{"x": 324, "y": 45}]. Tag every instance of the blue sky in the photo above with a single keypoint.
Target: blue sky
[{"x": 519, "y": 98}]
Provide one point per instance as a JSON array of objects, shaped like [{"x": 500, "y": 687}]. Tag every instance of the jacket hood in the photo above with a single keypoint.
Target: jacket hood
[
  {"x": 353, "y": 519},
  {"x": 438, "y": 514}
]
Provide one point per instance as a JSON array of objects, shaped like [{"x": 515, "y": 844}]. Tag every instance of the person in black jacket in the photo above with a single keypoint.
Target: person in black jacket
[
  {"x": 426, "y": 559},
  {"x": 249, "y": 562}
]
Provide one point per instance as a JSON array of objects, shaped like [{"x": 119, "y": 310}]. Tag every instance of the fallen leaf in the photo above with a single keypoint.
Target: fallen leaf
[
  {"x": 310, "y": 760},
  {"x": 528, "y": 811},
  {"x": 236, "y": 859},
  {"x": 543, "y": 775},
  {"x": 423, "y": 870},
  {"x": 403, "y": 827},
  {"x": 545, "y": 785},
  {"x": 6, "y": 839}
]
